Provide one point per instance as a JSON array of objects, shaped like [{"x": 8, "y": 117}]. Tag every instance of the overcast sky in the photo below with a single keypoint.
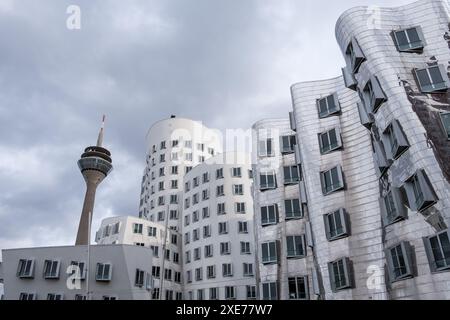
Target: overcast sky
[{"x": 227, "y": 63}]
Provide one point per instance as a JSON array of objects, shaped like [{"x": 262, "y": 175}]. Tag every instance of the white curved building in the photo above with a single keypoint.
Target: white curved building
[
  {"x": 218, "y": 238},
  {"x": 166, "y": 261},
  {"x": 174, "y": 146},
  {"x": 284, "y": 259},
  {"x": 399, "y": 67}
]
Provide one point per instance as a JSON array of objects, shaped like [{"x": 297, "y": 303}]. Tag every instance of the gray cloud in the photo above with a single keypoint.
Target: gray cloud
[{"x": 221, "y": 62}]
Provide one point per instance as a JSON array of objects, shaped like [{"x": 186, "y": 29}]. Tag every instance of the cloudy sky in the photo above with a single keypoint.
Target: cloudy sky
[{"x": 227, "y": 63}]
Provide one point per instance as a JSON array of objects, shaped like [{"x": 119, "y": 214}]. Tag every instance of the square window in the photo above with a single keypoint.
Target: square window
[
  {"x": 328, "y": 106},
  {"x": 330, "y": 141},
  {"x": 340, "y": 272},
  {"x": 337, "y": 225},
  {"x": 409, "y": 40},
  {"x": 332, "y": 180},
  {"x": 432, "y": 79}
]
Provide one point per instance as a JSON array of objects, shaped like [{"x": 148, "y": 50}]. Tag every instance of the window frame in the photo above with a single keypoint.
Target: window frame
[
  {"x": 409, "y": 47},
  {"x": 432, "y": 87},
  {"x": 329, "y": 112},
  {"x": 344, "y": 219},
  {"x": 331, "y": 148},
  {"x": 334, "y": 187},
  {"x": 434, "y": 268}
]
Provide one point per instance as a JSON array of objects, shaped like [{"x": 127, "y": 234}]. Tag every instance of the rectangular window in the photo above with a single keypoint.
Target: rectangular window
[
  {"x": 187, "y": 220},
  {"x": 392, "y": 208},
  {"x": 173, "y": 214},
  {"x": 409, "y": 40},
  {"x": 174, "y": 170},
  {"x": 399, "y": 260},
  {"x": 205, "y": 194},
  {"x": 354, "y": 56},
  {"x": 200, "y": 294},
  {"x": 78, "y": 268},
  {"x": 155, "y": 250},
  {"x": 221, "y": 208},
  {"x": 206, "y": 231},
  {"x": 27, "y": 296},
  {"x": 211, "y": 272},
  {"x": 139, "y": 278},
  {"x": 438, "y": 251},
  {"x": 174, "y": 184},
  {"x": 209, "y": 251},
  {"x": 198, "y": 274},
  {"x": 213, "y": 294},
  {"x": 251, "y": 292},
  {"x": 51, "y": 269},
  {"x": 205, "y": 177},
  {"x": 236, "y": 172},
  {"x": 196, "y": 234},
  {"x": 298, "y": 288},
  {"x": 266, "y": 148},
  {"x": 270, "y": 291},
  {"x": 330, "y": 141},
  {"x": 240, "y": 207},
  {"x": 196, "y": 182},
  {"x": 269, "y": 215},
  {"x": 225, "y": 248},
  {"x": 245, "y": 247},
  {"x": 227, "y": 270},
  {"x": 445, "y": 118},
  {"x": 269, "y": 252},
  {"x": 103, "y": 272},
  {"x": 291, "y": 175},
  {"x": 155, "y": 294},
  {"x": 161, "y": 216},
  {"x": 230, "y": 292},
  {"x": 248, "y": 269},
  {"x": 288, "y": 144},
  {"x": 395, "y": 140},
  {"x": 195, "y": 216},
  {"x": 340, "y": 273},
  {"x": 296, "y": 246},
  {"x": 337, "y": 224},
  {"x": 219, "y": 173},
  {"x": 54, "y": 296},
  {"x": 373, "y": 95},
  {"x": 205, "y": 212},
  {"x": 267, "y": 181},
  {"x": 332, "y": 180},
  {"x": 238, "y": 189},
  {"x": 293, "y": 209},
  {"x": 25, "y": 268},
  {"x": 419, "y": 192},
  {"x": 188, "y": 256},
  {"x": 328, "y": 106},
  {"x": 242, "y": 227},
  {"x": 223, "y": 227},
  {"x": 432, "y": 78},
  {"x": 174, "y": 143},
  {"x": 188, "y": 144},
  {"x": 220, "y": 191},
  {"x": 137, "y": 228}
]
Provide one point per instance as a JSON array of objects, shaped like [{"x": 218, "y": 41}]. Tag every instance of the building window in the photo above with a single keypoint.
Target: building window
[
  {"x": 354, "y": 56},
  {"x": 438, "y": 251},
  {"x": 432, "y": 78},
  {"x": 187, "y": 238},
  {"x": 213, "y": 294},
  {"x": 54, "y": 296},
  {"x": 445, "y": 118},
  {"x": 251, "y": 292},
  {"x": 236, "y": 172},
  {"x": 238, "y": 189},
  {"x": 211, "y": 272},
  {"x": 188, "y": 157},
  {"x": 242, "y": 227},
  {"x": 373, "y": 95},
  {"x": 205, "y": 194},
  {"x": 245, "y": 247},
  {"x": 395, "y": 140},
  {"x": 270, "y": 291},
  {"x": 200, "y": 294},
  {"x": 161, "y": 201},
  {"x": 227, "y": 270},
  {"x": 266, "y": 148},
  {"x": 155, "y": 294},
  {"x": 201, "y": 159},
  {"x": 409, "y": 40},
  {"x": 248, "y": 269},
  {"x": 188, "y": 256},
  {"x": 298, "y": 288},
  {"x": 330, "y": 141},
  {"x": 173, "y": 214},
  {"x": 340, "y": 274},
  {"x": 288, "y": 144},
  {"x": 25, "y": 268},
  {"x": 155, "y": 250},
  {"x": 161, "y": 216},
  {"x": 209, "y": 251},
  {"x": 103, "y": 272},
  {"x": 196, "y": 234},
  {"x": 195, "y": 198},
  {"x": 230, "y": 292},
  {"x": 221, "y": 208},
  {"x": 161, "y": 186},
  {"x": 392, "y": 208},
  {"x": 211, "y": 151},
  {"x": 267, "y": 181},
  {"x": 328, "y": 106},
  {"x": 291, "y": 175},
  {"x": 176, "y": 257},
  {"x": 174, "y": 170},
  {"x": 177, "y": 277},
  {"x": 332, "y": 180},
  {"x": 196, "y": 182},
  {"x": 168, "y": 274},
  {"x": 174, "y": 239},
  {"x": 187, "y": 220},
  {"x": 174, "y": 184},
  {"x": 205, "y": 212},
  {"x": 292, "y": 209},
  {"x": 337, "y": 224},
  {"x": 139, "y": 278},
  {"x": 399, "y": 260},
  {"x": 187, "y": 169},
  {"x": 27, "y": 296},
  {"x": 219, "y": 173},
  {"x": 220, "y": 191},
  {"x": 269, "y": 252},
  {"x": 206, "y": 231},
  {"x": 296, "y": 246},
  {"x": 162, "y": 145},
  {"x": 78, "y": 268},
  {"x": 269, "y": 215},
  {"x": 198, "y": 274},
  {"x": 419, "y": 192},
  {"x": 223, "y": 227},
  {"x": 240, "y": 207},
  {"x": 137, "y": 228},
  {"x": 188, "y": 144},
  {"x": 225, "y": 248},
  {"x": 51, "y": 269}
]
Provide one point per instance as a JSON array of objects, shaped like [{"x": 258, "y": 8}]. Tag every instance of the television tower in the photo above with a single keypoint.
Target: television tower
[{"x": 95, "y": 164}]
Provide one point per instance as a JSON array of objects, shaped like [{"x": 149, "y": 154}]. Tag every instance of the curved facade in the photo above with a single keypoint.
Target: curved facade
[
  {"x": 342, "y": 190},
  {"x": 174, "y": 146},
  {"x": 218, "y": 247},
  {"x": 399, "y": 67},
  {"x": 284, "y": 257}
]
